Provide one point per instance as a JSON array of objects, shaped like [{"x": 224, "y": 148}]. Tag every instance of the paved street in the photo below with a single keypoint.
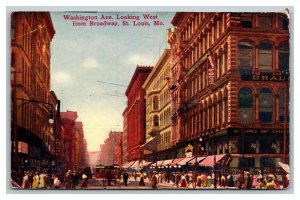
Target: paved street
[{"x": 98, "y": 184}]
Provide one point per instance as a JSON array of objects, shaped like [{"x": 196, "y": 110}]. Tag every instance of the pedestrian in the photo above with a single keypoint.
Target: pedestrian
[
  {"x": 205, "y": 180},
  {"x": 30, "y": 178},
  {"x": 135, "y": 176},
  {"x": 177, "y": 179},
  {"x": 223, "y": 181},
  {"x": 26, "y": 184},
  {"x": 42, "y": 181},
  {"x": 35, "y": 183},
  {"x": 56, "y": 182},
  {"x": 142, "y": 182},
  {"x": 187, "y": 178},
  {"x": 198, "y": 181},
  {"x": 47, "y": 181},
  {"x": 239, "y": 181},
  {"x": 75, "y": 180},
  {"x": 68, "y": 180},
  {"x": 183, "y": 181},
  {"x": 125, "y": 177},
  {"x": 230, "y": 182},
  {"x": 85, "y": 181},
  {"x": 154, "y": 180},
  {"x": 247, "y": 181}
]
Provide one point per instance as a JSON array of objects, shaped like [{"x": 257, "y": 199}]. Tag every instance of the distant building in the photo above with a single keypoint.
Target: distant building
[
  {"x": 68, "y": 120},
  {"x": 111, "y": 150},
  {"x": 136, "y": 113},
  {"x": 94, "y": 158}
]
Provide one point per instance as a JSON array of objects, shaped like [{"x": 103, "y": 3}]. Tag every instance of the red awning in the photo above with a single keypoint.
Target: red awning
[
  {"x": 209, "y": 160},
  {"x": 167, "y": 162},
  {"x": 185, "y": 160},
  {"x": 199, "y": 159},
  {"x": 176, "y": 161}
]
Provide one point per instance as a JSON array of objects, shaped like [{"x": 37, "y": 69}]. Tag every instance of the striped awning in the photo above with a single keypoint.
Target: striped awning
[
  {"x": 158, "y": 163},
  {"x": 167, "y": 162},
  {"x": 185, "y": 160},
  {"x": 128, "y": 165},
  {"x": 145, "y": 164},
  {"x": 176, "y": 161},
  {"x": 135, "y": 165},
  {"x": 199, "y": 159},
  {"x": 209, "y": 160}
]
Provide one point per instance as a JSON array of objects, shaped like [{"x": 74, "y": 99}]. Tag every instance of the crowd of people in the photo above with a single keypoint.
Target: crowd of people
[
  {"x": 76, "y": 180},
  {"x": 44, "y": 180},
  {"x": 241, "y": 180}
]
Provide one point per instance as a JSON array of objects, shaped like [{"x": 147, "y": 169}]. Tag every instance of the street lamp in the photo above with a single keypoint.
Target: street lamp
[
  {"x": 196, "y": 155},
  {"x": 15, "y": 122}
]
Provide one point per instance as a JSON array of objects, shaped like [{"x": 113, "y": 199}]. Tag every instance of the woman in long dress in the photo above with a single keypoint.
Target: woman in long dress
[
  {"x": 142, "y": 182},
  {"x": 35, "y": 182}
]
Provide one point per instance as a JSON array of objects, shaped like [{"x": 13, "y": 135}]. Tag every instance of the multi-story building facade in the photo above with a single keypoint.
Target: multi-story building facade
[
  {"x": 229, "y": 85},
  {"x": 136, "y": 113},
  {"x": 158, "y": 110},
  {"x": 31, "y": 35},
  {"x": 80, "y": 148},
  {"x": 68, "y": 120},
  {"x": 124, "y": 140}
]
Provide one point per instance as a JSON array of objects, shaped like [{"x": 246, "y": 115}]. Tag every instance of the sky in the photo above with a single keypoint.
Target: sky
[{"x": 83, "y": 58}]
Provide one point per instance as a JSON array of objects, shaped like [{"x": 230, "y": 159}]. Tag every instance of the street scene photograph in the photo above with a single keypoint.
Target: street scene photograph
[{"x": 149, "y": 100}]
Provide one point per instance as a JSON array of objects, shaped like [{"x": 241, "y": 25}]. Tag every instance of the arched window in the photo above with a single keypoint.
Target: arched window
[
  {"x": 245, "y": 102},
  {"x": 265, "y": 57},
  {"x": 156, "y": 120},
  {"x": 245, "y": 58},
  {"x": 283, "y": 56},
  {"x": 155, "y": 102},
  {"x": 265, "y": 105}
]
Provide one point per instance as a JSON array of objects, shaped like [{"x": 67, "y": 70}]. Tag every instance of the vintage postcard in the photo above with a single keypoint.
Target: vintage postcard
[{"x": 150, "y": 100}]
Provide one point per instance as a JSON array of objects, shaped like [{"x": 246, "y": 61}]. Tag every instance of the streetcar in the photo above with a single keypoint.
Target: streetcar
[{"x": 99, "y": 171}]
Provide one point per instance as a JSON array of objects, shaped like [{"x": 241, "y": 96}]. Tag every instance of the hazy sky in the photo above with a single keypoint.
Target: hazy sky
[{"x": 84, "y": 56}]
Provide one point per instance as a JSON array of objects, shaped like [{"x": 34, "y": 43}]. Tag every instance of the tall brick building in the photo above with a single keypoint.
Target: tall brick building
[
  {"x": 32, "y": 135},
  {"x": 136, "y": 113},
  {"x": 229, "y": 85}
]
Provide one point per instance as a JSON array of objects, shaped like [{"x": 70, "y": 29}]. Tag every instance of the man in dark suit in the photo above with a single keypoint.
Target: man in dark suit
[{"x": 125, "y": 177}]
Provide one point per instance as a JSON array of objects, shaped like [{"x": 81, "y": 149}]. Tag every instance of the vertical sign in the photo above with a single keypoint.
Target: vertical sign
[{"x": 211, "y": 71}]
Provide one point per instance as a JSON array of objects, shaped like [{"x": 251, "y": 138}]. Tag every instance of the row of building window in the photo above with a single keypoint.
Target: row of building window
[
  {"x": 265, "y": 57},
  {"x": 267, "y": 106},
  {"x": 165, "y": 139},
  {"x": 264, "y": 21}
]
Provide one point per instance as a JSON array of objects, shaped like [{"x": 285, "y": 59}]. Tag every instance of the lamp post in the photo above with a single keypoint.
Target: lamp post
[
  {"x": 285, "y": 127},
  {"x": 214, "y": 152},
  {"x": 200, "y": 146},
  {"x": 15, "y": 122}
]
